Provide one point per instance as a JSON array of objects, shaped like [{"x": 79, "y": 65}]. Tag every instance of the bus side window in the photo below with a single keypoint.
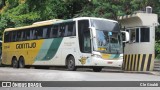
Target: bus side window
[
  {"x": 66, "y": 30},
  {"x": 39, "y": 33},
  {"x": 27, "y": 35},
  {"x": 22, "y": 35},
  {"x": 46, "y": 32},
  {"x": 14, "y": 36},
  {"x": 61, "y": 30},
  {"x": 51, "y": 33},
  {"x": 74, "y": 30},
  {"x": 33, "y": 34},
  {"x": 19, "y": 36},
  {"x": 70, "y": 29},
  {"x": 54, "y": 31}
]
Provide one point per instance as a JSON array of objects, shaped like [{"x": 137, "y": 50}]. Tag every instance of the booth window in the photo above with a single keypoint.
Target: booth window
[
  {"x": 132, "y": 35},
  {"x": 139, "y": 35},
  {"x": 145, "y": 34}
]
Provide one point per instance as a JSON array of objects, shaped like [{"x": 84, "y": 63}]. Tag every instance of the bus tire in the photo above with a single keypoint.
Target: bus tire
[
  {"x": 97, "y": 69},
  {"x": 71, "y": 64},
  {"x": 21, "y": 63},
  {"x": 14, "y": 62}
]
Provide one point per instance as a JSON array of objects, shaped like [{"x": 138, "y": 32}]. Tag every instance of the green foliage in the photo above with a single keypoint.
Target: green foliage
[
  {"x": 157, "y": 45},
  {"x": 19, "y": 14},
  {"x": 12, "y": 3},
  {"x": 15, "y": 13}
]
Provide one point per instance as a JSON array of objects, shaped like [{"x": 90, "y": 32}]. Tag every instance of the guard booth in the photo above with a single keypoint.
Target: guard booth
[{"x": 139, "y": 52}]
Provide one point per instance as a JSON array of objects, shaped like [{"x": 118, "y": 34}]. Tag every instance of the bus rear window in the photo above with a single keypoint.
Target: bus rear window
[{"x": 6, "y": 36}]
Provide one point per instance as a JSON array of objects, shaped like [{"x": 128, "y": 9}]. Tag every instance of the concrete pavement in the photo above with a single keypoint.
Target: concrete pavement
[{"x": 12, "y": 74}]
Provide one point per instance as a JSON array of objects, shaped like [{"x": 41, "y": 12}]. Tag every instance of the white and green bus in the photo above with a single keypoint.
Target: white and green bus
[{"x": 79, "y": 42}]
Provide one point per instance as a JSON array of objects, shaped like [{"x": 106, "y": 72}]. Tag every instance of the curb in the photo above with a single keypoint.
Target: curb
[
  {"x": 157, "y": 73},
  {"x": 142, "y": 72}
]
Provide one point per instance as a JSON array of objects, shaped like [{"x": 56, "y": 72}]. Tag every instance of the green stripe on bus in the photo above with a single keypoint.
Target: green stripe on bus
[
  {"x": 51, "y": 51},
  {"x": 53, "y": 48},
  {"x": 114, "y": 56},
  {"x": 117, "y": 56},
  {"x": 44, "y": 49}
]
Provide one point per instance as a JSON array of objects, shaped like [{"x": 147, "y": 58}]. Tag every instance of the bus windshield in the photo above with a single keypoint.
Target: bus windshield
[
  {"x": 108, "y": 42},
  {"x": 108, "y": 37}
]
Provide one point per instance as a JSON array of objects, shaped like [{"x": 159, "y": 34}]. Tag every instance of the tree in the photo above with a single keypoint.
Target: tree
[{"x": 15, "y": 13}]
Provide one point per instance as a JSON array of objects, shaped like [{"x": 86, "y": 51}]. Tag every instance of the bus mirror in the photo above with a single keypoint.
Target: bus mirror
[{"x": 125, "y": 36}]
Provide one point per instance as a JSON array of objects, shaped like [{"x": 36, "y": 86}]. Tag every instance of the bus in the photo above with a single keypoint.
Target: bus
[{"x": 78, "y": 42}]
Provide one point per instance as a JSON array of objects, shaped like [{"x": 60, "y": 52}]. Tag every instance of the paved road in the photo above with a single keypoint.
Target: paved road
[{"x": 12, "y": 74}]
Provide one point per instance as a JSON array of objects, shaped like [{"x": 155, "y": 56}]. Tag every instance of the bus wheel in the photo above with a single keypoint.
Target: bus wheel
[
  {"x": 21, "y": 62},
  {"x": 14, "y": 63},
  {"x": 97, "y": 69},
  {"x": 71, "y": 64}
]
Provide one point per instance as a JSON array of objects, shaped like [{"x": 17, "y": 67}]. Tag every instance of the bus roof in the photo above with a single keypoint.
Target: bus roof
[
  {"x": 47, "y": 21},
  {"x": 50, "y": 22},
  {"x": 80, "y": 18},
  {"x": 36, "y": 24}
]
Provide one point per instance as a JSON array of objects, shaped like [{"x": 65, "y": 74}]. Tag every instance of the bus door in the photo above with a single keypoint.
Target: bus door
[{"x": 84, "y": 42}]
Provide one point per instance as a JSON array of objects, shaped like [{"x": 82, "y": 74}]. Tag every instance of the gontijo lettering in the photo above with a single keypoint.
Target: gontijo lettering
[{"x": 25, "y": 45}]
